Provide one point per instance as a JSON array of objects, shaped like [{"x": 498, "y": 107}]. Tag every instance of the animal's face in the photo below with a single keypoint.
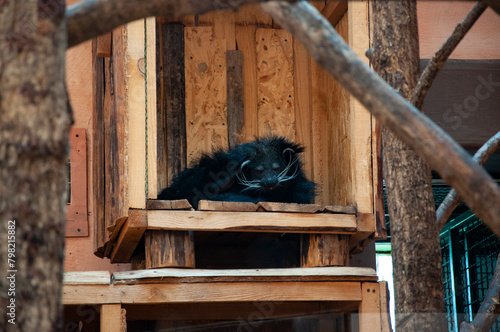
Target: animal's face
[{"x": 268, "y": 167}]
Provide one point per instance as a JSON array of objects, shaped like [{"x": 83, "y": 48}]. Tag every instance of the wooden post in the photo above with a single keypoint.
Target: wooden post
[
  {"x": 169, "y": 249},
  {"x": 111, "y": 318},
  {"x": 324, "y": 250},
  {"x": 369, "y": 309}
]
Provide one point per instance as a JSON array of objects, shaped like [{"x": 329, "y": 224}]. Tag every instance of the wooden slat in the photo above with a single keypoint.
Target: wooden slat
[
  {"x": 204, "y": 205},
  {"x": 222, "y": 22},
  {"x": 174, "y": 99},
  {"x": 360, "y": 117},
  {"x": 169, "y": 249},
  {"x": 369, "y": 308},
  {"x": 385, "y": 317},
  {"x": 212, "y": 292},
  {"x": 303, "y": 105},
  {"x": 245, "y": 38},
  {"x": 136, "y": 106},
  {"x": 104, "y": 45},
  {"x": 252, "y": 221},
  {"x": 151, "y": 107},
  {"x": 275, "y": 83},
  {"x": 261, "y": 275},
  {"x": 206, "y": 117},
  {"x": 334, "y": 10},
  {"x": 235, "y": 97},
  {"x": 111, "y": 318},
  {"x": 340, "y": 209},
  {"x": 87, "y": 278},
  {"x": 180, "y": 204},
  {"x": 130, "y": 235},
  {"x": 289, "y": 207}
]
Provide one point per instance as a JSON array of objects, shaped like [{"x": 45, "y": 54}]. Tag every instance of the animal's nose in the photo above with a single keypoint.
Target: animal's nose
[{"x": 270, "y": 182}]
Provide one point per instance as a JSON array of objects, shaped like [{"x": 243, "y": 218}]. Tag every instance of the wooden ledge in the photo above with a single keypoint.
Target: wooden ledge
[
  {"x": 245, "y": 275},
  {"x": 252, "y": 222},
  {"x": 87, "y": 278}
]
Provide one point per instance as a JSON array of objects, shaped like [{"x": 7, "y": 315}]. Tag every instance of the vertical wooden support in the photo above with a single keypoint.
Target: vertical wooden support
[
  {"x": 385, "y": 318},
  {"x": 324, "y": 250},
  {"x": 360, "y": 117},
  {"x": 235, "y": 97},
  {"x": 174, "y": 94},
  {"x": 369, "y": 309},
  {"x": 136, "y": 108},
  {"x": 152, "y": 160},
  {"x": 206, "y": 100},
  {"x": 111, "y": 318},
  {"x": 169, "y": 249},
  {"x": 275, "y": 86}
]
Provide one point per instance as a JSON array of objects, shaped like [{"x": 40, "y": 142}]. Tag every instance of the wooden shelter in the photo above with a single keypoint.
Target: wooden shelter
[{"x": 165, "y": 91}]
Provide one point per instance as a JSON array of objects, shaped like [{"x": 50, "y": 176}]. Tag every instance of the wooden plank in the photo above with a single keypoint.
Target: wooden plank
[
  {"x": 169, "y": 249},
  {"x": 174, "y": 99},
  {"x": 245, "y": 38},
  {"x": 303, "y": 105},
  {"x": 235, "y": 97},
  {"x": 111, "y": 318},
  {"x": 275, "y": 83},
  {"x": 339, "y": 273},
  {"x": 340, "y": 209},
  {"x": 151, "y": 89},
  {"x": 206, "y": 102},
  {"x": 136, "y": 106},
  {"x": 222, "y": 22},
  {"x": 204, "y": 205},
  {"x": 324, "y": 250},
  {"x": 97, "y": 153},
  {"x": 334, "y": 10},
  {"x": 340, "y": 136},
  {"x": 289, "y": 207},
  {"x": 179, "y": 204},
  {"x": 369, "y": 308},
  {"x": 104, "y": 45},
  {"x": 361, "y": 118},
  {"x": 365, "y": 229},
  {"x": 161, "y": 119},
  {"x": 385, "y": 317},
  {"x": 115, "y": 232},
  {"x": 212, "y": 292},
  {"x": 87, "y": 278},
  {"x": 129, "y": 237},
  {"x": 252, "y": 221}
]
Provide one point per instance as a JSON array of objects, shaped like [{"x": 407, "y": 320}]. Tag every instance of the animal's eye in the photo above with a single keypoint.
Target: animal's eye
[
  {"x": 259, "y": 169},
  {"x": 276, "y": 167}
]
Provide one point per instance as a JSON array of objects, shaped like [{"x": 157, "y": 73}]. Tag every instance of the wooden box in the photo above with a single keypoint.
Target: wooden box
[{"x": 175, "y": 89}]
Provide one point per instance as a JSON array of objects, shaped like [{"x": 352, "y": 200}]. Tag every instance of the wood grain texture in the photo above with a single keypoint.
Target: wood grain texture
[
  {"x": 289, "y": 207},
  {"x": 340, "y": 209},
  {"x": 339, "y": 273},
  {"x": 324, "y": 250},
  {"x": 245, "y": 38},
  {"x": 235, "y": 97},
  {"x": 275, "y": 83},
  {"x": 130, "y": 235},
  {"x": 222, "y": 22},
  {"x": 206, "y": 117},
  {"x": 212, "y": 292},
  {"x": 180, "y": 204},
  {"x": 369, "y": 309},
  {"x": 151, "y": 90},
  {"x": 174, "y": 99},
  {"x": 104, "y": 45},
  {"x": 204, "y": 205},
  {"x": 169, "y": 249},
  {"x": 252, "y": 221},
  {"x": 87, "y": 278}
]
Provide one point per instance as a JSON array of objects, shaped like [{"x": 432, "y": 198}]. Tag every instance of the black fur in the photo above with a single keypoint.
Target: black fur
[{"x": 261, "y": 164}]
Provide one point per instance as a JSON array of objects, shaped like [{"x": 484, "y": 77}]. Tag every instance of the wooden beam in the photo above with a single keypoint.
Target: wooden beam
[
  {"x": 212, "y": 292},
  {"x": 129, "y": 237},
  {"x": 244, "y": 275},
  {"x": 334, "y": 10},
  {"x": 104, "y": 45},
  {"x": 252, "y": 221},
  {"x": 151, "y": 89},
  {"x": 369, "y": 308},
  {"x": 111, "y": 318},
  {"x": 87, "y": 278}
]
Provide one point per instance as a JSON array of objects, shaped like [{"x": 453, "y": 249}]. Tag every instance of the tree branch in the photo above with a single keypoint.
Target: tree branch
[
  {"x": 452, "y": 162},
  {"x": 452, "y": 199},
  {"x": 438, "y": 60},
  {"x": 91, "y": 18},
  {"x": 489, "y": 309}
]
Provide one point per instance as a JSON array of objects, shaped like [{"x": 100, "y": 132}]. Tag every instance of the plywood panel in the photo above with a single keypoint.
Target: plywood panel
[
  {"x": 206, "y": 118},
  {"x": 275, "y": 83},
  {"x": 235, "y": 97}
]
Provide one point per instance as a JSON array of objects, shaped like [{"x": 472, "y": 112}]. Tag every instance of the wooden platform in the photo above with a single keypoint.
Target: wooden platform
[{"x": 341, "y": 289}]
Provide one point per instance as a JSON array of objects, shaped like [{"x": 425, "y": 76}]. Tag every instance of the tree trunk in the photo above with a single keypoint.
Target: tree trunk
[
  {"x": 415, "y": 240},
  {"x": 34, "y": 126}
]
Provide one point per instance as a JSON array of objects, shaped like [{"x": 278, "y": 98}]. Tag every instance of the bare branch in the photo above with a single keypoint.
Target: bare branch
[
  {"x": 489, "y": 309},
  {"x": 452, "y": 162},
  {"x": 452, "y": 200},
  {"x": 438, "y": 60},
  {"x": 91, "y": 18}
]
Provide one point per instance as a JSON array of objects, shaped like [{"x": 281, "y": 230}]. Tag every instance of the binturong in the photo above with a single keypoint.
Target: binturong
[{"x": 265, "y": 170}]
